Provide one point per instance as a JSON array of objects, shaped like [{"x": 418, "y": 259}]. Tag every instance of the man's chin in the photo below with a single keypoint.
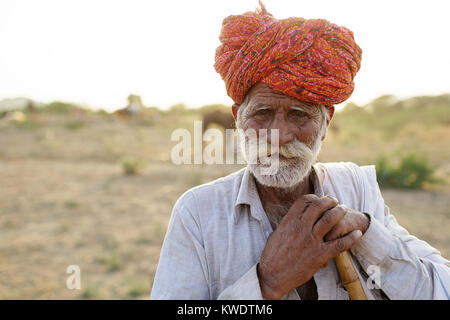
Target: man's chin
[{"x": 284, "y": 178}]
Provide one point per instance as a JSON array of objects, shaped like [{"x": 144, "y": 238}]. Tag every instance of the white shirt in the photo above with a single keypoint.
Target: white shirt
[{"x": 218, "y": 230}]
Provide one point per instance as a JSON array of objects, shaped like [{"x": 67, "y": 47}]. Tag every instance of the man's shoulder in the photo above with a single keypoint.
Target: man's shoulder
[
  {"x": 347, "y": 170},
  {"x": 219, "y": 192},
  {"x": 344, "y": 165}
]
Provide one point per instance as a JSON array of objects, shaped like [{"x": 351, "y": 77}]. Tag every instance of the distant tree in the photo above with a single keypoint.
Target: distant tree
[
  {"x": 382, "y": 103},
  {"x": 179, "y": 107},
  {"x": 59, "y": 107},
  {"x": 134, "y": 104},
  {"x": 134, "y": 99},
  {"x": 211, "y": 107}
]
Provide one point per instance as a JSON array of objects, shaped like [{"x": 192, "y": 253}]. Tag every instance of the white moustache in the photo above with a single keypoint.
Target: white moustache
[{"x": 265, "y": 150}]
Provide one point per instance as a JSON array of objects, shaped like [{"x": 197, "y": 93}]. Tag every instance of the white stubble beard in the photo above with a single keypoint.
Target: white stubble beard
[{"x": 286, "y": 175}]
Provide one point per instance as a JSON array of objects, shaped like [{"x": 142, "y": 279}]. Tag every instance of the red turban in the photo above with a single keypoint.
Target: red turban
[{"x": 311, "y": 60}]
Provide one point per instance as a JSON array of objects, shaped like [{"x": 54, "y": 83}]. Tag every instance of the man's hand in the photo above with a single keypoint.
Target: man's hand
[
  {"x": 353, "y": 220},
  {"x": 296, "y": 249}
]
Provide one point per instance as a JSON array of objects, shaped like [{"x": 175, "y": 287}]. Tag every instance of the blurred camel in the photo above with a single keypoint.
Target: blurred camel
[{"x": 222, "y": 118}]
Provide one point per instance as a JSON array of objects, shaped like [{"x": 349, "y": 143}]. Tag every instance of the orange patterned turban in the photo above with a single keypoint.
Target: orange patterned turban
[{"x": 311, "y": 60}]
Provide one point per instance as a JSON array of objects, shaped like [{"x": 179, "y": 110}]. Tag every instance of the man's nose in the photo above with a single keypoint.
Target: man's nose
[{"x": 285, "y": 135}]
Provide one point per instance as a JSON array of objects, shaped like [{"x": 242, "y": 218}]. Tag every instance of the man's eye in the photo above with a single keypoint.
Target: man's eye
[
  {"x": 262, "y": 112},
  {"x": 299, "y": 114}
]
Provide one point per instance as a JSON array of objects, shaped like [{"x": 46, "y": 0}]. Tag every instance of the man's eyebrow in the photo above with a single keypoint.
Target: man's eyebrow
[
  {"x": 302, "y": 109},
  {"x": 262, "y": 106},
  {"x": 258, "y": 106},
  {"x": 298, "y": 108}
]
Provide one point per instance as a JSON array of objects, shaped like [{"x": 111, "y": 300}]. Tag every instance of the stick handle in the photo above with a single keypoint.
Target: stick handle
[{"x": 349, "y": 277}]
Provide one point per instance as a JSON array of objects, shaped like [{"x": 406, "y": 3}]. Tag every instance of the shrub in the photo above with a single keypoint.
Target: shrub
[
  {"x": 73, "y": 125},
  {"x": 58, "y": 107},
  {"x": 137, "y": 289},
  {"x": 111, "y": 259},
  {"x": 92, "y": 292},
  {"x": 411, "y": 173},
  {"x": 130, "y": 165},
  {"x": 27, "y": 124},
  {"x": 71, "y": 204},
  {"x": 178, "y": 108}
]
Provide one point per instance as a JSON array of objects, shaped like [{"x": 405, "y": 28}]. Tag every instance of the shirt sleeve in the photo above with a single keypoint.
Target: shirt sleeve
[
  {"x": 245, "y": 288},
  {"x": 409, "y": 268},
  {"x": 182, "y": 269}
]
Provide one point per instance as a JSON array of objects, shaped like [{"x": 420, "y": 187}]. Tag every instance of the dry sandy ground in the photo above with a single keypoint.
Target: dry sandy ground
[
  {"x": 55, "y": 214},
  {"x": 64, "y": 200}
]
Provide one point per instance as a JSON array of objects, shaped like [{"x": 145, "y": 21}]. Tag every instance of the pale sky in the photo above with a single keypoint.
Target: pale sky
[{"x": 97, "y": 52}]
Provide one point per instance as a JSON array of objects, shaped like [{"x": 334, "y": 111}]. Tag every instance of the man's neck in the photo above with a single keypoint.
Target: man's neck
[{"x": 278, "y": 200}]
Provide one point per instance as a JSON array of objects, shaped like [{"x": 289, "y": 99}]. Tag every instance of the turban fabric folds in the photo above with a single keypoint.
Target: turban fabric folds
[{"x": 311, "y": 60}]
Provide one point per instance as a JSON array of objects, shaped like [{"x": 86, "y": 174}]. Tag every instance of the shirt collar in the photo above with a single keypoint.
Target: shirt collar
[
  {"x": 248, "y": 195},
  {"x": 316, "y": 181}
]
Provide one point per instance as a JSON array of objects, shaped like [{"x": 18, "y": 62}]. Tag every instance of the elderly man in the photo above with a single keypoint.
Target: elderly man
[{"x": 252, "y": 235}]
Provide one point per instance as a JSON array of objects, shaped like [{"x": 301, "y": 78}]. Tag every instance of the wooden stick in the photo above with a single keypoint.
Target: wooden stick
[{"x": 349, "y": 277}]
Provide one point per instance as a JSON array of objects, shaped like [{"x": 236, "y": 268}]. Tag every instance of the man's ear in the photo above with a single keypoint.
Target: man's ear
[
  {"x": 234, "y": 109},
  {"x": 331, "y": 113}
]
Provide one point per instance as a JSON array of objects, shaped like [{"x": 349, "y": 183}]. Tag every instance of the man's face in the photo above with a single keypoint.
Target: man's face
[{"x": 301, "y": 128}]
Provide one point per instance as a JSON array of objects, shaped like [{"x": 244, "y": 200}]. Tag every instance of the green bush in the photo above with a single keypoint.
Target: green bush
[
  {"x": 71, "y": 204},
  {"x": 411, "y": 173},
  {"x": 27, "y": 124},
  {"x": 110, "y": 257},
  {"x": 92, "y": 292},
  {"x": 137, "y": 289},
  {"x": 58, "y": 107},
  {"x": 73, "y": 125},
  {"x": 178, "y": 108},
  {"x": 130, "y": 165}
]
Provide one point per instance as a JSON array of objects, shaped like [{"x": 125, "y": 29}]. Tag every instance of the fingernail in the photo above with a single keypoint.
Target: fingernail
[{"x": 358, "y": 233}]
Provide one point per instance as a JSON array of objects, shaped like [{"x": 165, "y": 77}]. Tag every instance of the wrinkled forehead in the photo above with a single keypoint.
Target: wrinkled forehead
[{"x": 262, "y": 94}]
